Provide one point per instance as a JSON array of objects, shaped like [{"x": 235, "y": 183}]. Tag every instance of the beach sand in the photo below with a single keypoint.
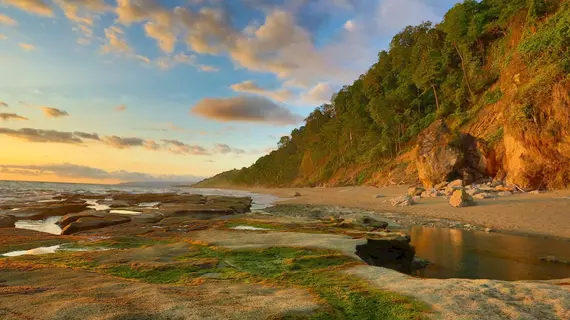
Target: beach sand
[{"x": 545, "y": 214}]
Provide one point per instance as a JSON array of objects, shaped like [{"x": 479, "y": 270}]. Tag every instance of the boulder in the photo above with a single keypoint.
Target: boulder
[
  {"x": 402, "y": 201},
  {"x": 449, "y": 190},
  {"x": 7, "y": 221},
  {"x": 147, "y": 218},
  {"x": 393, "y": 252},
  {"x": 415, "y": 191},
  {"x": 505, "y": 194},
  {"x": 535, "y": 192},
  {"x": 474, "y": 191},
  {"x": 295, "y": 195},
  {"x": 461, "y": 199},
  {"x": 442, "y": 154},
  {"x": 378, "y": 196},
  {"x": 239, "y": 204},
  {"x": 455, "y": 183},
  {"x": 91, "y": 223}
]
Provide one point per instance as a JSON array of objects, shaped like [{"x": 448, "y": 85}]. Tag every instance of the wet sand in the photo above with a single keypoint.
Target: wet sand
[{"x": 546, "y": 214}]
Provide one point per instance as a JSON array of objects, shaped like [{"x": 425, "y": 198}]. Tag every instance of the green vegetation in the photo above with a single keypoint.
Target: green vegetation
[
  {"x": 320, "y": 271},
  {"x": 447, "y": 71}
]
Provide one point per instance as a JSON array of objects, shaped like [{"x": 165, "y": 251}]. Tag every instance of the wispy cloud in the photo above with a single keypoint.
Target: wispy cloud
[
  {"x": 4, "y": 19},
  {"x": 249, "y": 86},
  {"x": 27, "y": 46},
  {"x": 39, "y": 7},
  {"x": 3, "y": 104},
  {"x": 54, "y": 112},
  {"x": 67, "y": 170},
  {"x": 178, "y": 147},
  {"x": 121, "y": 108},
  {"x": 11, "y": 116},
  {"x": 39, "y": 135}
]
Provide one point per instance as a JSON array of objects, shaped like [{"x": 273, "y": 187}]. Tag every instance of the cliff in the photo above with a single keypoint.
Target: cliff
[{"x": 483, "y": 95}]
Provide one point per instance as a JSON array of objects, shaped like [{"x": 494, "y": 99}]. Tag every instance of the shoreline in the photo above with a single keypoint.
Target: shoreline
[{"x": 546, "y": 215}]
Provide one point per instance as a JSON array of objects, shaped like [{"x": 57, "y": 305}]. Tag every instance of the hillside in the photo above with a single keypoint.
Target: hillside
[{"x": 484, "y": 94}]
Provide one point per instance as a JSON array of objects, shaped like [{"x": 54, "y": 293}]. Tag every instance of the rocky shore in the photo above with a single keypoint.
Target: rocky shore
[{"x": 207, "y": 257}]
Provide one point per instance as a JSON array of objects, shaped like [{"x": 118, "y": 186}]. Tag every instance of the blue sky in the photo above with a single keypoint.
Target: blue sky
[{"x": 175, "y": 89}]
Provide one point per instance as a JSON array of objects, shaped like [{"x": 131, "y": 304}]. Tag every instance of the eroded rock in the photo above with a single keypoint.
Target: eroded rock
[{"x": 46, "y": 210}]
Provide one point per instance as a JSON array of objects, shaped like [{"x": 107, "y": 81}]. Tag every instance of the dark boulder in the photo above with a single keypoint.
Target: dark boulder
[{"x": 394, "y": 253}]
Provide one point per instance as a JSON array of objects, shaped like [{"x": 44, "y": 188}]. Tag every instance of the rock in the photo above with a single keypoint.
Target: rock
[
  {"x": 535, "y": 192},
  {"x": 419, "y": 264},
  {"x": 402, "y": 201},
  {"x": 393, "y": 252},
  {"x": 441, "y": 186},
  {"x": 449, "y": 190},
  {"x": 461, "y": 199},
  {"x": 378, "y": 196},
  {"x": 197, "y": 211},
  {"x": 415, "y": 191},
  {"x": 488, "y": 230},
  {"x": 72, "y": 217},
  {"x": 7, "y": 221},
  {"x": 46, "y": 210},
  {"x": 239, "y": 204},
  {"x": 505, "y": 194},
  {"x": 474, "y": 191},
  {"x": 147, "y": 218},
  {"x": 456, "y": 183},
  {"x": 554, "y": 260},
  {"x": 417, "y": 198},
  {"x": 295, "y": 195},
  {"x": 482, "y": 196},
  {"x": 91, "y": 223},
  {"x": 441, "y": 154},
  {"x": 372, "y": 223}
]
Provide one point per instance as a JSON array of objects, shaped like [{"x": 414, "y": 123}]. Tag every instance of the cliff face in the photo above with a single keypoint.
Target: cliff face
[{"x": 484, "y": 95}]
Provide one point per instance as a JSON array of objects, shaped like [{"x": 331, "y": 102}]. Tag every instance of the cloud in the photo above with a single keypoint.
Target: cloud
[
  {"x": 39, "y": 7},
  {"x": 7, "y": 20},
  {"x": 115, "y": 42},
  {"x": 397, "y": 14},
  {"x": 27, "y": 46},
  {"x": 67, "y": 170},
  {"x": 168, "y": 62},
  {"x": 11, "y": 116},
  {"x": 178, "y": 147},
  {"x": 87, "y": 136},
  {"x": 126, "y": 143},
  {"x": 39, "y": 135},
  {"x": 121, "y": 108},
  {"x": 321, "y": 93},
  {"x": 249, "y": 86},
  {"x": 121, "y": 143},
  {"x": 3, "y": 104},
  {"x": 225, "y": 149},
  {"x": 245, "y": 109},
  {"x": 83, "y": 13},
  {"x": 3, "y": 37},
  {"x": 350, "y": 26},
  {"x": 54, "y": 112}
]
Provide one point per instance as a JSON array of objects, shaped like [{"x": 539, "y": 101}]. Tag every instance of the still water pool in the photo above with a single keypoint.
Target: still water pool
[{"x": 480, "y": 255}]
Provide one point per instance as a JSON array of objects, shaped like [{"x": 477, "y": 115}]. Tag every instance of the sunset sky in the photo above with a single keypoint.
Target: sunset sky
[{"x": 131, "y": 90}]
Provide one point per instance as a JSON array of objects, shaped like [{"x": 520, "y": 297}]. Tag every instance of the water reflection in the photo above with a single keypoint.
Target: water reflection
[{"x": 480, "y": 255}]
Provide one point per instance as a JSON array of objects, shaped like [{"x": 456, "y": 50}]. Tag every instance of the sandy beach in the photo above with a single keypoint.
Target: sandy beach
[{"x": 546, "y": 214}]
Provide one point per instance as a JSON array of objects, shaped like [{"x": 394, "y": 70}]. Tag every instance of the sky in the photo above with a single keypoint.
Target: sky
[{"x": 108, "y": 91}]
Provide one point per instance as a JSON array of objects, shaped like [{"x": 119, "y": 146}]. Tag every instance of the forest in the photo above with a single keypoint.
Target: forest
[{"x": 449, "y": 71}]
